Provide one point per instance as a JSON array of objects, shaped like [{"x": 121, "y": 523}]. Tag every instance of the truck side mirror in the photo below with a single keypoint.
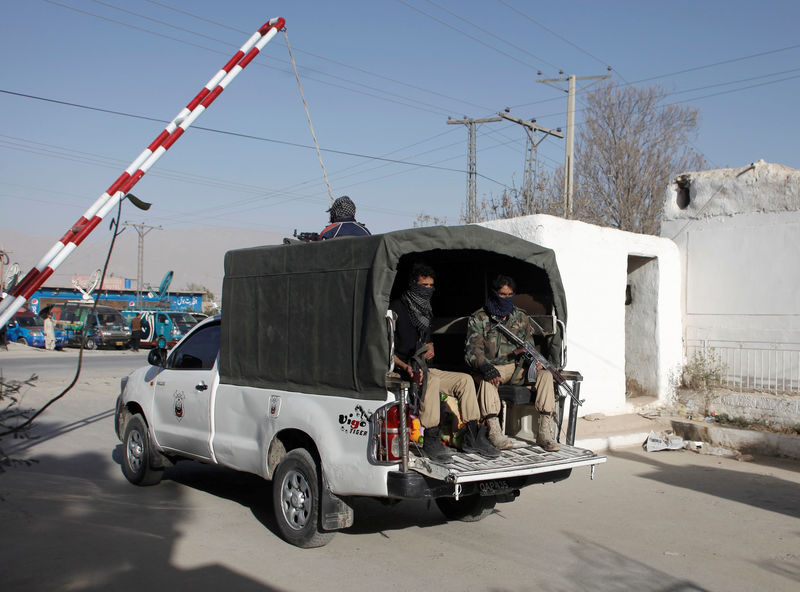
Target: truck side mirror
[{"x": 157, "y": 357}]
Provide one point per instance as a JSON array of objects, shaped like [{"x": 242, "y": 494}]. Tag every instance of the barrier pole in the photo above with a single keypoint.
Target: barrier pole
[{"x": 34, "y": 279}]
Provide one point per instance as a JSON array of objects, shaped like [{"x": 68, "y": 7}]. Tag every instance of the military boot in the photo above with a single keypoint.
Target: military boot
[
  {"x": 476, "y": 442},
  {"x": 544, "y": 436},
  {"x": 433, "y": 447},
  {"x": 496, "y": 435}
]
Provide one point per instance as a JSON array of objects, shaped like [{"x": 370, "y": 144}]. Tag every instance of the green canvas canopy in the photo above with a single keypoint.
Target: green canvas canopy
[{"x": 311, "y": 316}]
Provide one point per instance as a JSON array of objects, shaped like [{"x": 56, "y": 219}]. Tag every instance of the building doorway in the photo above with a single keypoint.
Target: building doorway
[{"x": 641, "y": 327}]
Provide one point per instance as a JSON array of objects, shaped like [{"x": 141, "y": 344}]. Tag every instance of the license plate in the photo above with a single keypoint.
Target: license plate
[
  {"x": 119, "y": 343},
  {"x": 494, "y": 487}
]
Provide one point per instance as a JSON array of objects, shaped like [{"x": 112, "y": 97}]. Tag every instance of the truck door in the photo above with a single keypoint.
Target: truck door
[{"x": 183, "y": 390}]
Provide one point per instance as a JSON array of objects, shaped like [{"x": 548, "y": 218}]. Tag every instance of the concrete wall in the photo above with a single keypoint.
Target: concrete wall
[
  {"x": 737, "y": 231},
  {"x": 594, "y": 264}
]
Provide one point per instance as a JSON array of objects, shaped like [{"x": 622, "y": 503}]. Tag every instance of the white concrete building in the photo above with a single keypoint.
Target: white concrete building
[
  {"x": 623, "y": 307},
  {"x": 738, "y": 232}
]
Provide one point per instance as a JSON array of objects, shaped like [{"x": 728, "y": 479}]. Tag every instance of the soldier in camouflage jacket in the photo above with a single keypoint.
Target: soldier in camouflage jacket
[{"x": 497, "y": 362}]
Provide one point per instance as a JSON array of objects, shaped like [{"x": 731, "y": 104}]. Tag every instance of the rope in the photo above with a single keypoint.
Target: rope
[{"x": 308, "y": 116}]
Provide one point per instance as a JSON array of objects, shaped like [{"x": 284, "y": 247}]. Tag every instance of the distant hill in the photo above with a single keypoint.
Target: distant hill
[{"x": 195, "y": 256}]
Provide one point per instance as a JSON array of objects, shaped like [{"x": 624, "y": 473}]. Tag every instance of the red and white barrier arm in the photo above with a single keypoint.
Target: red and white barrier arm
[{"x": 137, "y": 169}]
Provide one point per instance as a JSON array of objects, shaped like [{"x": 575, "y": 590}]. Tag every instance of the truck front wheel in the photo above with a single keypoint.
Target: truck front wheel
[
  {"x": 296, "y": 500},
  {"x": 467, "y": 509},
  {"x": 136, "y": 455}
]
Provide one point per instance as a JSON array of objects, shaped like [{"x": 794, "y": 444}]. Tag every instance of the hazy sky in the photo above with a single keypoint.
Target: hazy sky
[{"x": 381, "y": 78}]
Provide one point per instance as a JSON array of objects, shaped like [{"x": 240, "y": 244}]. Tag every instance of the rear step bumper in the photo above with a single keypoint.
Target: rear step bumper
[{"x": 471, "y": 474}]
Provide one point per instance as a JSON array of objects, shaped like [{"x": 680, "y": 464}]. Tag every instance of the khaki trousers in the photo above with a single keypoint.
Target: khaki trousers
[
  {"x": 489, "y": 399},
  {"x": 457, "y": 384}
]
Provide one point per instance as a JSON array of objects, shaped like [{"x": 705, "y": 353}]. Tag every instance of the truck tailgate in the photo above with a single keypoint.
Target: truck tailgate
[{"x": 519, "y": 461}]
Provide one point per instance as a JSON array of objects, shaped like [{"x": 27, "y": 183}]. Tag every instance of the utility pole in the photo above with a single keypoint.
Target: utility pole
[
  {"x": 568, "y": 155},
  {"x": 530, "y": 148},
  {"x": 141, "y": 229},
  {"x": 472, "y": 207}
]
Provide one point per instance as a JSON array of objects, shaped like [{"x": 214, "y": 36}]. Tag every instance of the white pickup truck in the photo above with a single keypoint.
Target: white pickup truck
[{"x": 293, "y": 381}]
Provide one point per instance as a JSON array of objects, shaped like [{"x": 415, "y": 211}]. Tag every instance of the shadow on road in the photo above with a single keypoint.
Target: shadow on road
[
  {"x": 762, "y": 491},
  {"x": 43, "y": 431},
  {"x": 596, "y": 567},
  {"x": 67, "y": 526},
  {"x": 253, "y": 492},
  {"x": 245, "y": 489}
]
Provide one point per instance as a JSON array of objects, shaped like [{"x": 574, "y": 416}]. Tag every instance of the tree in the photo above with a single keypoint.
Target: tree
[
  {"x": 542, "y": 197},
  {"x": 422, "y": 220},
  {"x": 629, "y": 147}
]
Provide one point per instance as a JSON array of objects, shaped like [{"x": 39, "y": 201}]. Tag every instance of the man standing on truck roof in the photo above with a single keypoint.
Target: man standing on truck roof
[
  {"x": 412, "y": 338},
  {"x": 343, "y": 220},
  {"x": 498, "y": 361}
]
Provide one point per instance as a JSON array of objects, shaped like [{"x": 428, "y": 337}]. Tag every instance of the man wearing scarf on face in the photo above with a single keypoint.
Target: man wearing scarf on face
[
  {"x": 343, "y": 220},
  {"x": 412, "y": 334},
  {"x": 496, "y": 358}
]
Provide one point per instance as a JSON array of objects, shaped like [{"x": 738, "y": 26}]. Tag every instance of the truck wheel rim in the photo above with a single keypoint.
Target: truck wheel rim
[
  {"x": 296, "y": 500},
  {"x": 135, "y": 451}
]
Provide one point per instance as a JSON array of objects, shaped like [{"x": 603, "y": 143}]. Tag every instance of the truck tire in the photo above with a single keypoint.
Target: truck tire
[
  {"x": 137, "y": 454},
  {"x": 89, "y": 344},
  {"x": 467, "y": 509},
  {"x": 296, "y": 500},
  {"x": 22, "y": 341},
  {"x": 161, "y": 343}
]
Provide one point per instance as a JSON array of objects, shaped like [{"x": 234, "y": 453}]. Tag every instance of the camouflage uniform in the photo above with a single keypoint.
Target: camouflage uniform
[{"x": 482, "y": 346}]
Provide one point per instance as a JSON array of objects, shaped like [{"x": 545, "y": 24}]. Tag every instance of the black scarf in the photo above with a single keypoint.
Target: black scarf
[
  {"x": 418, "y": 301},
  {"x": 499, "y": 307}
]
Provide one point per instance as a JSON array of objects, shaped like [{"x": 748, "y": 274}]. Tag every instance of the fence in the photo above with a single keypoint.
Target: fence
[{"x": 769, "y": 367}]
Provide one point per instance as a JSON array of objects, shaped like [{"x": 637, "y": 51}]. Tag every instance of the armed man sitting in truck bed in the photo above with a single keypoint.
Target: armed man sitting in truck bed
[
  {"x": 412, "y": 340},
  {"x": 498, "y": 361}
]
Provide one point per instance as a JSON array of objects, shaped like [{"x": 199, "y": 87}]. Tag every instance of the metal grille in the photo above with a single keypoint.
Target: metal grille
[{"x": 760, "y": 366}]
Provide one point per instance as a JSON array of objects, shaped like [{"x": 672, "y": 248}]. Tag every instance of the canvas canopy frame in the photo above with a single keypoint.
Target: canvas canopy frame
[{"x": 310, "y": 317}]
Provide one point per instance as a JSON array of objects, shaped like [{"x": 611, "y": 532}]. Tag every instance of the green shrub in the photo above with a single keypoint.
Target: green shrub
[{"x": 704, "y": 371}]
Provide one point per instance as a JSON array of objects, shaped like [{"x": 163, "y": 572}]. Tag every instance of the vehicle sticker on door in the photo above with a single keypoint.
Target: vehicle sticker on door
[
  {"x": 354, "y": 423},
  {"x": 179, "y": 397}
]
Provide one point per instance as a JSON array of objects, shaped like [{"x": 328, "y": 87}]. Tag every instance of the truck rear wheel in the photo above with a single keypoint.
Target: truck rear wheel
[
  {"x": 296, "y": 500},
  {"x": 137, "y": 454},
  {"x": 467, "y": 509}
]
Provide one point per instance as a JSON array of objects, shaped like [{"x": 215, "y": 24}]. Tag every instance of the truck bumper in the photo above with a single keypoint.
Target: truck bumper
[{"x": 413, "y": 485}]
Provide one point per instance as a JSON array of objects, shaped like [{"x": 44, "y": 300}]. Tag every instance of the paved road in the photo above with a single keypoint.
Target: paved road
[
  {"x": 20, "y": 361},
  {"x": 666, "y": 521}
]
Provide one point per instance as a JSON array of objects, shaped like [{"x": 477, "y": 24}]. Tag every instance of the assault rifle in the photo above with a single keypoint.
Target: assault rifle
[
  {"x": 306, "y": 237},
  {"x": 532, "y": 354}
]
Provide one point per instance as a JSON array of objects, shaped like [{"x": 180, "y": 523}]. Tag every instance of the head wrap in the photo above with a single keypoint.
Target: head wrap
[
  {"x": 342, "y": 207},
  {"x": 498, "y": 306},
  {"x": 418, "y": 301}
]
